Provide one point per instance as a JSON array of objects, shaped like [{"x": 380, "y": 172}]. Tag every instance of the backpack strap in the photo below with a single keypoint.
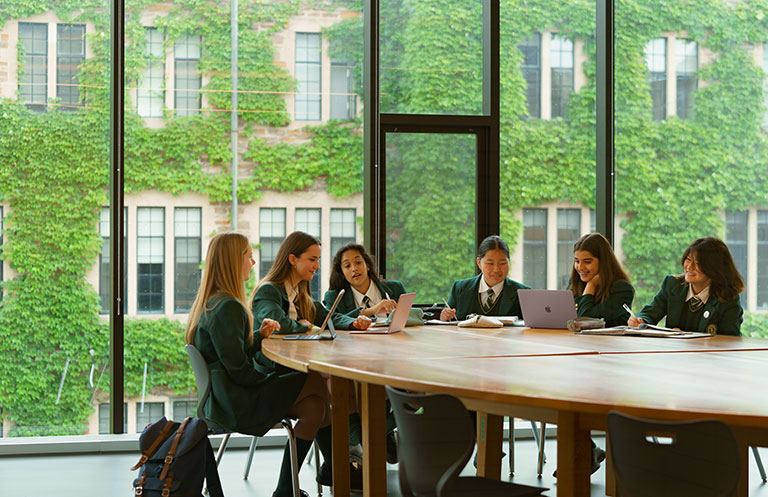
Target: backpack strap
[
  {"x": 211, "y": 472},
  {"x": 174, "y": 445},
  {"x": 139, "y": 487},
  {"x": 167, "y": 486},
  {"x": 155, "y": 445}
]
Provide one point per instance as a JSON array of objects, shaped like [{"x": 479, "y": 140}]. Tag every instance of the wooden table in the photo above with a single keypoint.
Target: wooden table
[{"x": 554, "y": 376}]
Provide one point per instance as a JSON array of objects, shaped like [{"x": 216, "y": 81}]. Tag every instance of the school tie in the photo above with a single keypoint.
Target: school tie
[
  {"x": 366, "y": 301},
  {"x": 695, "y": 304},
  {"x": 488, "y": 301}
]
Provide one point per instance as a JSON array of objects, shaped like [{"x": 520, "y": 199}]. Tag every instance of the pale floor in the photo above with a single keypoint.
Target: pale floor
[{"x": 110, "y": 475}]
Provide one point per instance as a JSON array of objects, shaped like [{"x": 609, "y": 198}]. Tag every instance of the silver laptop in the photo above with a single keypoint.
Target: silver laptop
[
  {"x": 547, "y": 308},
  {"x": 328, "y": 322},
  {"x": 399, "y": 316}
]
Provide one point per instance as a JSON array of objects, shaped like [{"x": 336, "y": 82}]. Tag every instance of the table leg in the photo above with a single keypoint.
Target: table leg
[
  {"x": 573, "y": 457},
  {"x": 374, "y": 440},
  {"x": 340, "y": 421},
  {"x": 490, "y": 434}
]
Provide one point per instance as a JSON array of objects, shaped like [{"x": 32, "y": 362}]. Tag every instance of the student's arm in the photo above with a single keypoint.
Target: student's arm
[
  {"x": 268, "y": 303},
  {"x": 330, "y": 297},
  {"x": 657, "y": 309},
  {"x": 340, "y": 321},
  {"x": 610, "y": 309},
  {"x": 732, "y": 316},
  {"x": 228, "y": 332}
]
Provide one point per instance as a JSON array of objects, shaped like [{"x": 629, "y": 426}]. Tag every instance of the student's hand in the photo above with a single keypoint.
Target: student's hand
[
  {"x": 306, "y": 323},
  {"x": 384, "y": 307},
  {"x": 592, "y": 285},
  {"x": 268, "y": 326},
  {"x": 447, "y": 314},
  {"x": 635, "y": 322},
  {"x": 361, "y": 323}
]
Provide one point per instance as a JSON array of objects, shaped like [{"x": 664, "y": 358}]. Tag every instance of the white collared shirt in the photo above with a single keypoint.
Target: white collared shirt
[
  {"x": 702, "y": 295},
  {"x": 292, "y": 294},
  {"x": 374, "y": 294},
  {"x": 483, "y": 287}
]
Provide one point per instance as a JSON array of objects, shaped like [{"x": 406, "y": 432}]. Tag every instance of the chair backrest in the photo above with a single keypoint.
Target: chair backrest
[
  {"x": 674, "y": 458},
  {"x": 202, "y": 377},
  {"x": 436, "y": 439}
]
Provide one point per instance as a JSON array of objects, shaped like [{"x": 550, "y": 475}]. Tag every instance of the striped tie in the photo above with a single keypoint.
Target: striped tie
[
  {"x": 367, "y": 301},
  {"x": 695, "y": 304},
  {"x": 488, "y": 301}
]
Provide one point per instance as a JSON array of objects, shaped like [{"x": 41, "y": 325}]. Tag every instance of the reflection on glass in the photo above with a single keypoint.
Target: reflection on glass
[{"x": 430, "y": 198}]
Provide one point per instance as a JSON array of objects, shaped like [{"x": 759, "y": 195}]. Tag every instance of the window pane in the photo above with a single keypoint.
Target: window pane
[
  {"x": 561, "y": 61},
  {"x": 343, "y": 98},
  {"x": 150, "y": 95},
  {"x": 531, "y": 67},
  {"x": 150, "y": 254},
  {"x": 568, "y": 232},
  {"x": 424, "y": 171},
  {"x": 188, "y": 253},
  {"x": 70, "y": 53},
  {"x": 736, "y": 225},
  {"x": 423, "y": 47},
  {"x": 187, "y": 83},
  {"x": 308, "y": 221},
  {"x": 33, "y": 84},
  {"x": 535, "y": 248},
  {"x": 271, "y": 235},
  {"x": 656, "y": 61},
  {"x": 308, "y": 95},
  {"x": 686, "y": 64},
  {"x": 148, "y": 412},
  {"x": 343, "y": 228}
]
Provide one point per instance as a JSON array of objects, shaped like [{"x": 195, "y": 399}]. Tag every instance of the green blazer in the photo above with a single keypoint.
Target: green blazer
[
  {"x": 722, "y": 318},
  {"x": 347, "y": 304},
  {"x": 246, "y": 397},
  {"x": 271, "y": 301},
  {"x": 611, "y": 308},
  {"x": 465, "y": 300}
]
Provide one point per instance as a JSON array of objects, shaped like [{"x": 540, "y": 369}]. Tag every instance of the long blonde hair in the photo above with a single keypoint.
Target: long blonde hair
[
  {"x": 222, "y": 277},
  {"x": 296, "y": 243}
]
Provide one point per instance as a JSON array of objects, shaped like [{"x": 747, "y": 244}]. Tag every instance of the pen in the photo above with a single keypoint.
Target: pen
[
  {"x": 387, "y": 295},
  {"x": 626, "y": 308},
  {"x": 446, "y": 303}
]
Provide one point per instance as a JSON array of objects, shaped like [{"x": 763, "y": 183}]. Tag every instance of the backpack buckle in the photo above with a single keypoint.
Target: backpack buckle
[
  {"x": 139, "y": 490},
  {"x": 166, "y": 492},
  {"x": 168, "y": 459}
]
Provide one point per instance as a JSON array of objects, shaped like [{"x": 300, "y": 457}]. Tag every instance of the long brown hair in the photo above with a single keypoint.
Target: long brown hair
[
  {"x": 296, "y": 243},
  {"x": 222, "y": 277},
  {"x": 337, "y": 280},
  {"x": 714, "y": 259},
  {"x": 609, "y": 269}
]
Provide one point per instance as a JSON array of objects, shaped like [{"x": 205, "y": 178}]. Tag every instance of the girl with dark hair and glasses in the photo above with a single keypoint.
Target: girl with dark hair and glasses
[
  {"x": 705, "y": 298},
  {"x": 490, "y": 293}
]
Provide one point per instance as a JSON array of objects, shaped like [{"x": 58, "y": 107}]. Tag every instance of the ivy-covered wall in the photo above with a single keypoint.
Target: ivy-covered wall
[{"x": 674, "y": 178}]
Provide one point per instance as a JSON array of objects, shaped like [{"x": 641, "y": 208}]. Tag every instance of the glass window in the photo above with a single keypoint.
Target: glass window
[
  {"x": 70, "y": 53},
  {"x": 187, "y": 80},
  {"x": 429, "y": 177},
  {"x": 33, "y": 84},
  {"x": 150, "y": 95},
  {"x": 150, "y": 255},
  {"x": 686, "y": 64},
  {"x": 568, "y": 233},
  {"x": 271, "y": 235},
  {"x": 736, "y": 228},
  {"x": 343, "y": 228},
  {"x": 343, "y": 97},
  {"x": 2, "y": 219},
  {"x": 308, "y": 221},
  {"x": 535, "y": 248},
  {"x": 762, "y": 259},
  {"x": 531, "y": 49},
  {"x": 104, "y": 418},
  {"x": 105, "y": 256},
  {"x": 561, "y": 61},
  {"x": 148, "y": 412},
  {"x": 426, "y": 46},
  {"x": 183, "y": 409},
  {"x": 308, "y": 70},
  {"x": 656, "y": 61},
  {"x": 187, "y": 226}
]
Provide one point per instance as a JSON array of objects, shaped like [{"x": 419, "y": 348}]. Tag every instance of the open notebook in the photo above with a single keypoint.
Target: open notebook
[{"x": 645, "y": 330}]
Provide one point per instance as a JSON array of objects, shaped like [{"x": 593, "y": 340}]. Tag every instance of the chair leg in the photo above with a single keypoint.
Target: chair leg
[
  {"x": 294, "y": 459},
  {"x": 222, "y": 447},
  {"x": 759, "y": 462},
  {"x": 316, "y": 452},
  {"x": 511, "y": 446},
  {"x": 249, "y": 460},
  {"x": 542, "y": 438}
]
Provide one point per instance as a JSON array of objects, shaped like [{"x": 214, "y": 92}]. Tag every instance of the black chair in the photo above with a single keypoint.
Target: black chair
[
  {"x": 436, "y": 440},
  {"x": 203, "y": 380},
  {"x": 672, "y": 458}
]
